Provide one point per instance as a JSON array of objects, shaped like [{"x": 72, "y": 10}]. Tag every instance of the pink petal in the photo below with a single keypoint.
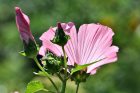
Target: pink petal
[
  {"x": 102, "y": 42},
  {"x": 42, "y": 51},
  {"x": 71, "y": 46},
  {"x": 94, "y": 43},
  {"x": 48, "y": 35},
  {"x": 67, "y": 26},
  {"x": 48, "y": 45},
  {"x": 93, "y": 71},
  {"x": 26, "y": 18},
  {"x": 53, "y": 48},
  {"x": 110, "y": 56},
  {"x": 86, "y": 36},
  {"x": 23, "y": 24}
]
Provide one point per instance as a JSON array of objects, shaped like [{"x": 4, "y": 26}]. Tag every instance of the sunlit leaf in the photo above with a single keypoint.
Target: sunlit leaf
[
  {"x": 82, "y": 67},
  {"x": 40, "y": 73},
  {"x": 34, "y": 86},
  {"x": 22, "y": 53}
]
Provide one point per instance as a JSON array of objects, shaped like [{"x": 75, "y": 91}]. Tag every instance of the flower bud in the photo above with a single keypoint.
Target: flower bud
[
  {"x": 60, "y": 37},
  {"x": 23, "y": 25}
]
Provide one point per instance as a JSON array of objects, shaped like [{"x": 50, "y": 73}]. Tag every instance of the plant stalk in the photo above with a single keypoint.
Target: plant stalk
[
  {"x": 65, "y": 60},
  {"x": 65, "y": 72},
  {"x": 77, "y": 88},
  {"x": 63, "y": 86},
  {"x": 47, "y": 75}
]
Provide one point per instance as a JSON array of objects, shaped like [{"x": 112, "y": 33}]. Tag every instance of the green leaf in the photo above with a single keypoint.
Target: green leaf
[
  {"x": 81, "y": 67},
  {"x": 40, "y": 73},
  {"x": 22, "y": 53},
  {"x": 52, "y": 64},
  {"x": 34, "y": 86}
]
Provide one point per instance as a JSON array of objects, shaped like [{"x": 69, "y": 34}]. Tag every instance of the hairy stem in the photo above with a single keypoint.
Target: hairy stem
[
  {"x": 63, "y": 86},
  {"x": 65, "y": 60},
  {"x": 65, "y": 72},
  {"x": 46, "y": 74},
  {"x": 77, "y": 88}
]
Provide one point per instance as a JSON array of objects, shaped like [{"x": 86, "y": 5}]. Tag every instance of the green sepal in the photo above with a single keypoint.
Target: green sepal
[
  {"x": 35, "y": 86},
  {"x": 61, "y": 41},
  {"x": 82, "y": 67},
  {"x": 60, "y": 37},
  {"x": 52, "y": 64},
  {"x": 22, "y": 53},
  {"x": 30, "y": 48},
  {"x": 79, "y": 76},
  {"x": 79, "y": 67}
]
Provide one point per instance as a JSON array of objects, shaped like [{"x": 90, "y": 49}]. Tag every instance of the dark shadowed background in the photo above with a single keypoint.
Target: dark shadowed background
[{"x": 123, "y": 16}]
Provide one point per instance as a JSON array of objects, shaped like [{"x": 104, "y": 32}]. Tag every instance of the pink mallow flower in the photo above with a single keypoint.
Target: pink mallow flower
[
  {"x": 23, "y": 25},
  {"x": 93, "y": 42}
]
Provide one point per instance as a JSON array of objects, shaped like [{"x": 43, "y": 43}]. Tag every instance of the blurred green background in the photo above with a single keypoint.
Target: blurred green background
[{"x": 123, "y": 16}]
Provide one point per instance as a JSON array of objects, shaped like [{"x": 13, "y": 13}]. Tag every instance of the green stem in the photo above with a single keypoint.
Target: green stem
[
  {"x": 65, "y": 60},
  {"x": 65, "y": 73},
  {"x": 77, "y": 88},
  {"x": 47, "y": 75},
  {"x": 63, "y": 86}
]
